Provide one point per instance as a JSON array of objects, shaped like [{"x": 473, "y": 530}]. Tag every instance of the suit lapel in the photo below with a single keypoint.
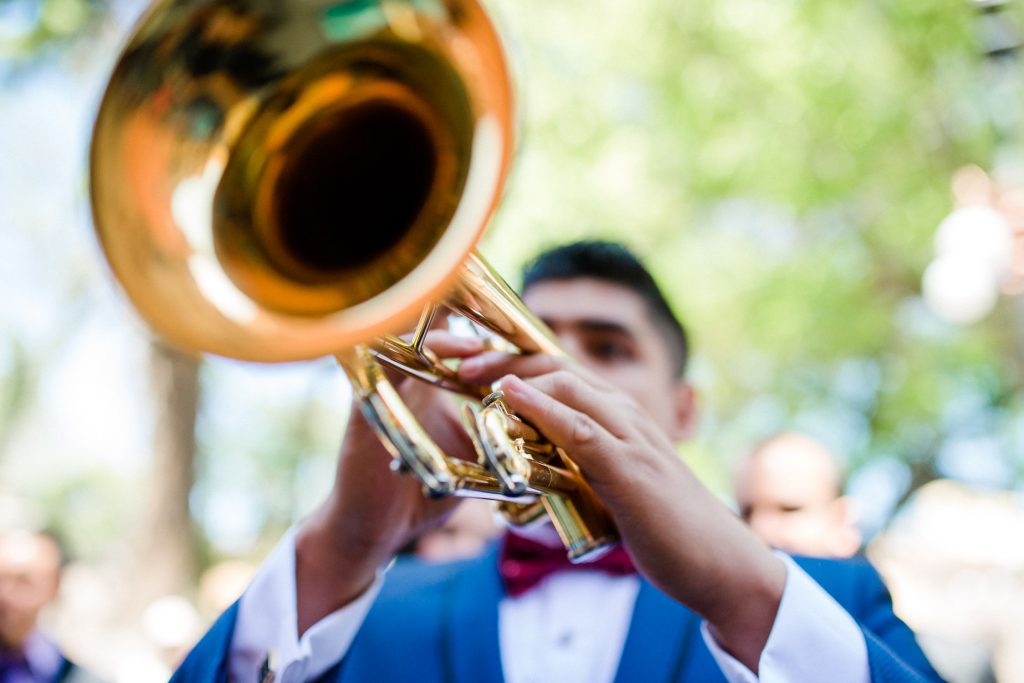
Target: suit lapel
[
  {"x": 660, "y": 639},
  {"x": 471, "y": 640},
  {"x": 208, "y": 661}
]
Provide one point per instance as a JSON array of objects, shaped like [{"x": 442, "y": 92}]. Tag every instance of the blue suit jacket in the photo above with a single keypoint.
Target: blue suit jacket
[{"x": 439, "y": 624}]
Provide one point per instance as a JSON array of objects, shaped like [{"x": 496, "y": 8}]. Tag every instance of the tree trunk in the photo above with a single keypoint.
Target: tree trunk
[{"x": 164, "y": 549}]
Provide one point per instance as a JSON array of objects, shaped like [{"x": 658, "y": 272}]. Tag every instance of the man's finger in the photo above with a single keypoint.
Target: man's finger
[
  {"x": 493, "y": 365},
  {"x": 447, "y": 345},
  {"x": 583, "y": 396},
  {"x": 580, "y": 435}
]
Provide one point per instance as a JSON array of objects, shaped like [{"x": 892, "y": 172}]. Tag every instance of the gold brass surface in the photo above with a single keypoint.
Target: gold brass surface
[
  {"x": 279, "y": 181},
  {"x": 383, "y": 127}
]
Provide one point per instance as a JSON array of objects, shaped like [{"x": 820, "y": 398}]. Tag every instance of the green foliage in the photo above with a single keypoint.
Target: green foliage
[
  {"x": 16, "y": 389},
  {"x": 36, "y": 26},
  {"x": 783, "y": 165},
  {"x": 92, "y": 511}
]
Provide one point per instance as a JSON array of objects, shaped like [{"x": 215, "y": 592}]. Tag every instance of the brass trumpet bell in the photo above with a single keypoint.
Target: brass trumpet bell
[{"x": 279, "y": 181}]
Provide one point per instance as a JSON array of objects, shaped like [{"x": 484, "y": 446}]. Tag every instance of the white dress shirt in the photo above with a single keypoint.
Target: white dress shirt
[{"x": 570, "y": 628}]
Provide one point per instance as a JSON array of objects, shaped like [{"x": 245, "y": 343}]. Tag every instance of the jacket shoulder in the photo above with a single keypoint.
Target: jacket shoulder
[
  {"x": 853, "y": 582},
  {"x": 893, "y": 652}
]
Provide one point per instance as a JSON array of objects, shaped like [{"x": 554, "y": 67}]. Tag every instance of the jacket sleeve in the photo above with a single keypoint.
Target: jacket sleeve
[
  {"x": 893, "y": 653},
  {"x": 265, "y": 621}
]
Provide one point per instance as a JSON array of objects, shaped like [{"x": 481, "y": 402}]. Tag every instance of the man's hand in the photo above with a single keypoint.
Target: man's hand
[
  {"x": 372, "y": 512},
  {"x": 680, "y": 536}
]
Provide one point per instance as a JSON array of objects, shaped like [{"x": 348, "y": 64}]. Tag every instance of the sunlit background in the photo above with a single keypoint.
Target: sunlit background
[{"x": 832, "y": 195}]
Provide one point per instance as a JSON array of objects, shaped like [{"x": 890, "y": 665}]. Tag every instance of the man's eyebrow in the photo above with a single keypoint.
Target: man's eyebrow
[{"x": 599, "y": 325}]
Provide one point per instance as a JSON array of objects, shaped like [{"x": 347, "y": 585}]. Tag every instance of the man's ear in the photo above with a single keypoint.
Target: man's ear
[
  {"x": 685, "y": 417},
  {"x": 53, "y": 591},
  {"x": 845, "y": 539}
]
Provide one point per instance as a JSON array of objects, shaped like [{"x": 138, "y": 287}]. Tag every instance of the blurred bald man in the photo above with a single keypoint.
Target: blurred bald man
[
  {"x": 465, "y": 534},
  {"x": 788, "y": 491},
  {"x": 30, "y": 565}
]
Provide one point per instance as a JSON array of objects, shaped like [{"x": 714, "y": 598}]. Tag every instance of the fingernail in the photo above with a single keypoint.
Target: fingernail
[{"x": 512, "y": 384}]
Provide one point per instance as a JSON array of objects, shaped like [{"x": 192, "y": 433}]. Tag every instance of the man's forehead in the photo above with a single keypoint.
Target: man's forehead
[
  {"x": 586, "y": 299},
  {"x": 25, "y": 549},
  {"x": 780, "y": 482}
]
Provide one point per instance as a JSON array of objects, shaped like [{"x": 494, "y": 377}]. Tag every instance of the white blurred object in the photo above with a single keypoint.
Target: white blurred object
[
  {"x": 137, "y": 667},
  {"x": 960, "y": 289},
  {"x": 977, "y": 232},
  {"x": 172, "y": 622},
  {"x": 954, "y": 562}
]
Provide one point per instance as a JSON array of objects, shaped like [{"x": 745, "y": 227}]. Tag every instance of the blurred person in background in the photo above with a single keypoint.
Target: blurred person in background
[
  {"x": 30, "y": 569},
  {"x": 464, "y": 534},
  {"x": 692, "y": 593},
  {"x": 788, "y": 491}
]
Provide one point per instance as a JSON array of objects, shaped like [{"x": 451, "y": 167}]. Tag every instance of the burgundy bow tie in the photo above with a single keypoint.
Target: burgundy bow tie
[{"x": 523, "y": 563}]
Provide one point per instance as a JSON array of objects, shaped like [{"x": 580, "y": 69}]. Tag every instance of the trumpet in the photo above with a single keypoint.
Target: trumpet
[{"x": 279, "y": 181}]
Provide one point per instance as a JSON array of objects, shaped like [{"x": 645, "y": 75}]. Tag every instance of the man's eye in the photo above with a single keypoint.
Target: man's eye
[{"x": 610, "y": 350}]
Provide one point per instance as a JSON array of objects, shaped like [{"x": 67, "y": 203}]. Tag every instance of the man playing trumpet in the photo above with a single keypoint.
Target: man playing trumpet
[{"x": 695, "y": 596}]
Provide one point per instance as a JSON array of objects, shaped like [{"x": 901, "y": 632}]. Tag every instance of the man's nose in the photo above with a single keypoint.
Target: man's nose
[
  {"x": 569, "y": 343},
  {"x": 574, "y": 346}
]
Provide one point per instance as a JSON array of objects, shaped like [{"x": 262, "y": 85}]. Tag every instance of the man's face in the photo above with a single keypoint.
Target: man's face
[
  {"x": 609, "y": 329},
  {"x": 463, "y": 535},
  {"x": 29, "y": 578},
  {"x": 789, "y": 510},
  {"x": 789, "y": 496}
]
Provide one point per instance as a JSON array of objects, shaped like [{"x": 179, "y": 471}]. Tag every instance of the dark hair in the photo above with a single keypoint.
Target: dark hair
[{"x": 613, "y": 262}]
